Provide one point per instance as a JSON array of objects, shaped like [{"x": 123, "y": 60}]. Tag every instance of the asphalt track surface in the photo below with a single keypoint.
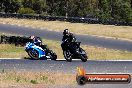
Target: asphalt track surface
[
  {"x": 52, "y": 35},
  {"x": 67, "y": 67},
  {"x": 90, "y": 66}
]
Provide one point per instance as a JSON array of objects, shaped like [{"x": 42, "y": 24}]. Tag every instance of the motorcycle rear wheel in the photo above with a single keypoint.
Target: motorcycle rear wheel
[
  {"x": 54, "y": 56},
  {"x": 84, "y": 57}
]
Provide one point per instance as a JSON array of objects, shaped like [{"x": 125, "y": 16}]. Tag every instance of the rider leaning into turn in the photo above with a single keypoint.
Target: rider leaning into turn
[
  {"x": 67, "y": 38},
  {"x": 67, "y": 35},
  {"x": 37, "y": 41}
]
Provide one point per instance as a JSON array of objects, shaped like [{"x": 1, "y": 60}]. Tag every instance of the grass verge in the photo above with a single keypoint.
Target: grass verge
[
  {"x": 16, "y": 79},
  {"x": 94, "y": 53},
  {"x": 30, "y": 79},
  {"x": 11, "y": 51},
  {"x": 78, "y": 28}
]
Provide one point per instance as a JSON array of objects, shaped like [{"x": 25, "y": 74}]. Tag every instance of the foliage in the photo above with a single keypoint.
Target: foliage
[
  {"x": 120, "y": 10},
  {"x": 26, "y": 11}
]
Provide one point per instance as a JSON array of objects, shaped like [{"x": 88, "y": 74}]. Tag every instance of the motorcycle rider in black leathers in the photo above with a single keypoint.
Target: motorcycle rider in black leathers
[
  {"x": 67, "y": 39},
  {"x": 71, "y": 48}
]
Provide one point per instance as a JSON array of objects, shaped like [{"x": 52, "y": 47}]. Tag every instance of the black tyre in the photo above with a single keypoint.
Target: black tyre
[
  {"x": 54, "y": 56},
  {"x": 81, "y": 80},
  {"x": 84, "y": 56},
  {"x": 68, "y": 56},
  {"x": 0, "y": 39},
  {"x": 33, "y": 54}
]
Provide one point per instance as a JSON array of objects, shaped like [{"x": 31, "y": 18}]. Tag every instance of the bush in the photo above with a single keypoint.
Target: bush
[
  {"x": 26, "y": 11},
  {"x": 34, "y": 81}
]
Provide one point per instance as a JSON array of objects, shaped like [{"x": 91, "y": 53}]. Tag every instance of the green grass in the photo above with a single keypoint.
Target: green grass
[
  {"x": 78, "y": 28},
  {"x": 94, "y": 53},
  {"x": 10, "y": 51},
  {"x": 29, "y": 78},
  {"x": 97, "y": 53},
  {"x": 34, "y": 81}
]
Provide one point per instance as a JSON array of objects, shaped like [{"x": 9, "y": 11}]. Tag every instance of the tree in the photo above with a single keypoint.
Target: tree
[
  {"x": 39, "y": 6},
  {"x": 26, "y": 11},
  {"x": 10, "y": 6},
  {"x": 1, "y": 5},
  {"x": 122, "y": 10},
  {"x": 27, "y": 3}
]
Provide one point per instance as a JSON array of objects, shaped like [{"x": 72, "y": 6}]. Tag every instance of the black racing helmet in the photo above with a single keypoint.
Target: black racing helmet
[{"x": 66, "y": 32}]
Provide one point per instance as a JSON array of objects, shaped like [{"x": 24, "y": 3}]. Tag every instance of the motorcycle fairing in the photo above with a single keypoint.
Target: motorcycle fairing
[{"x": 39, "y": 49}]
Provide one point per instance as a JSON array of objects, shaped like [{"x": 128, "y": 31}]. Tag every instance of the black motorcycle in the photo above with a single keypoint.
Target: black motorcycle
[{"x": 73, "y": 50}]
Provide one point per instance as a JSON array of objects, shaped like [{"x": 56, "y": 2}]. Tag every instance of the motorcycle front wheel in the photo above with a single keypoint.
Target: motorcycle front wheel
[
  {"x": 33, "y": 54},
  {"x": 67, "y": 55}
]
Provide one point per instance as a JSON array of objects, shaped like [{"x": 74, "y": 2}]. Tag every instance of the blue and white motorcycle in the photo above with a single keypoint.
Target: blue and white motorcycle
[{"x": 39, "y": 52}]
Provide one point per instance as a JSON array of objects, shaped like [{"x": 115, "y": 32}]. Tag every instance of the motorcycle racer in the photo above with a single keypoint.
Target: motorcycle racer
[
  {"x": 71, "y": 48},
  {"x": 67, "y": 38},
  {"x": 37, "y": 50},
  {"x": 36, "y": 40},
  {"x": 67, "y": 35}
]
